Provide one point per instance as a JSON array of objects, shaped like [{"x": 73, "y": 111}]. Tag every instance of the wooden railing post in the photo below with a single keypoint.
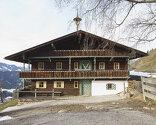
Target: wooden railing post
[
  {"x": 52, "y": 94},
  {"x": 35, "y": 94}
]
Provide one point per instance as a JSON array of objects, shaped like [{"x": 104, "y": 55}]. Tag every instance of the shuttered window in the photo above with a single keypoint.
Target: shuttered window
[
  {"x": 41, "y": 84},
  {"x": 110, "y": 86},
  {"x": 58, "y": 84}
]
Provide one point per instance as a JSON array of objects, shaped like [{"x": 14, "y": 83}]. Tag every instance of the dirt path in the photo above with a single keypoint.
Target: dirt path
[{"x": 119, "y": 112}]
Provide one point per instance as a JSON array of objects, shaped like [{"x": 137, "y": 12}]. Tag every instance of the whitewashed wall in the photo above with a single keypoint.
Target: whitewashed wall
[{"x": 99, "y": 87}]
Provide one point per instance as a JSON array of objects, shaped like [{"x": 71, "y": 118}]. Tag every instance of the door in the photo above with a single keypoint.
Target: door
[
  {"x": 85, "y": 65},
  {"x": 85, "y": 87}
]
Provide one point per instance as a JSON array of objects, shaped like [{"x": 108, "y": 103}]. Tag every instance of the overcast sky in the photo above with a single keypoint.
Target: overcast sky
[{"x": 26, "y": 23}]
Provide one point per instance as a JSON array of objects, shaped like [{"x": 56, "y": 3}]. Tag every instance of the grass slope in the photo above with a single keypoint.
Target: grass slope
[
  {"x": 8, "y": 104},
  {"x": 145, "y": 64}
]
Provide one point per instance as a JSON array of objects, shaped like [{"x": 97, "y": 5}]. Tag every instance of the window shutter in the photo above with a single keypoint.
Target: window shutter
[
  {"x": 37, "y": 84},
  {"x": 113, "y": 86},
  {"x": 62, "y": 84},
  {"x": 106, "y": 86},
  {"x": 55, "y": 84},
  {"x": 45, "y": 85}
]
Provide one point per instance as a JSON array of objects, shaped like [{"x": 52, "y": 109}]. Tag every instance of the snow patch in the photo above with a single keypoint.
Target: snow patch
[
  {"x": 2, "y": 118},
  {"x": 145, "y": 74},
  {"x": 8, "y": 90}
]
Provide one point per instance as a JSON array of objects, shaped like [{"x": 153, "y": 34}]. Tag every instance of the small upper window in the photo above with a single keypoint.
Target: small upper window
[
  {"x": 58, "y": 65},
  {"x": 41, "y": 66},
  {"x": 101, "y": 65},
  {"x": 76, "y": 85},
  {"x": 116, "y": 65},
  {"x": 76, "y": 66},
  {"x": 110, "y": 86}
]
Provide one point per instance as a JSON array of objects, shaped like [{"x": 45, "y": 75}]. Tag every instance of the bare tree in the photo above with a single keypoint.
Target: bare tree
[
  {"x": 109, "y": 15},
  {"x": 1, "y": 92}
]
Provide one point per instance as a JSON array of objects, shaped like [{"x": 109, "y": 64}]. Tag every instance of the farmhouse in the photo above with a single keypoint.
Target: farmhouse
[{"x": 79, "y": 63}]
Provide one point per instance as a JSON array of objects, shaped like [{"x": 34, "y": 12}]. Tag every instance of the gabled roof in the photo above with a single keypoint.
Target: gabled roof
[{"x": 14, "y": 57}]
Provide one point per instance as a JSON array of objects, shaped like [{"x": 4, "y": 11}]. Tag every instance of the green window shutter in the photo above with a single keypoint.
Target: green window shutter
[
  {"x": 113, "y": 86},
  {"x": 107, "y": 86}
]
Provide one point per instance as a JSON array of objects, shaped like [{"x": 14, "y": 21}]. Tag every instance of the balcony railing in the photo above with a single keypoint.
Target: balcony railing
[
  {"x": 74, "y": 74},
  {"x": 105, "y": 52}
]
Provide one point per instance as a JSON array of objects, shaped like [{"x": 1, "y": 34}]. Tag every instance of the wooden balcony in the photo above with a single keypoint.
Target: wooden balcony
[{"x": 99, "y": 74}]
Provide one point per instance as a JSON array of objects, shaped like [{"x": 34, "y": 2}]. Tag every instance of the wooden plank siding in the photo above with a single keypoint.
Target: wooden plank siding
[
  {"x": 74, "y": 74},
  {"x": 51, "y": 66}
]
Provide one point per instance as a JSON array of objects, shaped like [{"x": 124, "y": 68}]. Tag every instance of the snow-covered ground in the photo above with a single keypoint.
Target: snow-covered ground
[
  {"x": 2, "y": 118},
  {"x": 8, "y": 90}
]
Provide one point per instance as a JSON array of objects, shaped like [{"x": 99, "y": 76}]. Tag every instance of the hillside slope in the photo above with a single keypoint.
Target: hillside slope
[{"x": 145, "y": 64}]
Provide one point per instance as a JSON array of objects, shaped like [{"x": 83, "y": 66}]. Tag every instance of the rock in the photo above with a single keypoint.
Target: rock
[
  {"x": 113, "y": 103},
  {"x": 147, "y": 108},
  {"x": 62, "y": 111}
]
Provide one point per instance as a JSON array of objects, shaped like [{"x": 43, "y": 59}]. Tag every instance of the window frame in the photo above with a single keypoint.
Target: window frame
[
  {"x": 57, "y": 65},
  {"x": 110, "y": 88},
  {"x": 39, "y": 68},
  {"x": 103, "y": 65},
  {"x": 116, "y": 65},
  {"x": 76, "y": 64},
  {"x": 39, "y": 82},
  {"x": 56, "y": 84},
  {"x": 75, "y": 84}
]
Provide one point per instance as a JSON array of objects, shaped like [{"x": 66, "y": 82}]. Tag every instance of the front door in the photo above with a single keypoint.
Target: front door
[{"x": 85, "y": 87}]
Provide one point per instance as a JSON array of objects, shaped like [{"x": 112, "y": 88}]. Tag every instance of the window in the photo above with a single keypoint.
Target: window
[
  {"x": 58, "y": 84},
  {"x": 76, "y": 85},
  {"x": 58, "y": 65},
  {"x": 110, "y": 86},
  {"x": 40, "y": 65},
  {"x": 76, "y": 66},
  {"x": 41, "y": 84},
  {"x": 116, "y": 65},
  {"x": 101, "y": 65}
]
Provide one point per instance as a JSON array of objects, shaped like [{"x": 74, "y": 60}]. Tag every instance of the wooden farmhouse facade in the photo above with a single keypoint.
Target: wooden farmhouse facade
[{"x": 79, "y": 63}]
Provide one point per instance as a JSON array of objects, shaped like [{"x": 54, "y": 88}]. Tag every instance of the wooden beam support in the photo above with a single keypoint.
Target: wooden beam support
[
  {"x": 69, "y": 64},
  {"x": 94, "y": 63}
]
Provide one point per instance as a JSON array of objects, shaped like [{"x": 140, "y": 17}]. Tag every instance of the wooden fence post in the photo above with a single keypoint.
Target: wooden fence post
[
  {"x": 52, "y": 93},
  {"x": 17, "y": 94},
  {"x": 35, "y": 94}
]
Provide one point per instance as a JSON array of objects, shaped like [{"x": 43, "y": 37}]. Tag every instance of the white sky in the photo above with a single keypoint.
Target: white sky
[{"x": 26, "y": 23}]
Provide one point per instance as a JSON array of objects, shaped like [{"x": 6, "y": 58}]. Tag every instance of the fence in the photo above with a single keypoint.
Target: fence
[
  {"x": 149, "y": 88},
  {"x": 19, "y": 93}
]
